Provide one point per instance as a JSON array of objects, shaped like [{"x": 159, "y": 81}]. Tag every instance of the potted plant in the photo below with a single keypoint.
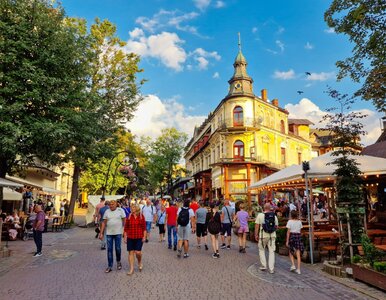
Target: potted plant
[
  {"x": 251, "y": 226},
  {"x": 281, "y": 237},
  {"x": 367, "y": 268}
]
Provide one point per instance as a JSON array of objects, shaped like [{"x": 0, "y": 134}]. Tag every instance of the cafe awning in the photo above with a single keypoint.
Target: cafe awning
[
  {"x": 9, "y": 183},
  {"x": 24, "y": 182},
  {"x": 11, "y": 195},
  {"x": 51, "y": 191}
]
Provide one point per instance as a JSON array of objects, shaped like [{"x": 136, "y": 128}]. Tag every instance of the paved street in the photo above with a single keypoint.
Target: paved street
[{"x": 72, "y": 267}]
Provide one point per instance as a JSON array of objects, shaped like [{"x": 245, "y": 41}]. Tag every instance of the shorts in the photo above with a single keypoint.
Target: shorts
[
  {"x": 226, "y": 227},
  {"x": 243, "y": 229},
  {"x": 148, "y": 226},
  {"x": 183, "y": 232},
  {"x": 134, "y": 244},
  {"x": 201, "y": 229},
  {"x": 161, "y": 228}
]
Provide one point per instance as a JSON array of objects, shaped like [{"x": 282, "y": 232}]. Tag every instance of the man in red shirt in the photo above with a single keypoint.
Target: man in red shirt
[{"x": 171, "y": 222}]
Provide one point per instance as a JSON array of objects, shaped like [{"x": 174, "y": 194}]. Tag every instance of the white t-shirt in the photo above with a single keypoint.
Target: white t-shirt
[
  {"x": 114, "y": 218},
  {"x": 292, "y": 206},
  {"x": 191, "y": 214},
  {"x": 260, "y": 220},
  {"x": 148, "y": 212},
  {"x": 294, "y": 226}
]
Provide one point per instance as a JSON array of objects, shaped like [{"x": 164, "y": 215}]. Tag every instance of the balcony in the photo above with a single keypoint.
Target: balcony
[{"x": 230, "y": 124}]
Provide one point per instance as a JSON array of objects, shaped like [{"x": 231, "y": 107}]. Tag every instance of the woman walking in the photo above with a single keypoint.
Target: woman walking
[
  {"x": 134, "y": 235},
  {"x": 242, "y": 216},
  {"x": 161, "y": 216},
  {"x": 214, "y": 227},
  {"x": 294, "y": 241}
]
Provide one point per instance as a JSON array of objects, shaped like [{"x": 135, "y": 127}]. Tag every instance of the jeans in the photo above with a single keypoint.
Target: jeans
[
  {"x": 111, "y": 239},
  {"x": 170, "y": 228},
  {"x": 38, "y": 238}
]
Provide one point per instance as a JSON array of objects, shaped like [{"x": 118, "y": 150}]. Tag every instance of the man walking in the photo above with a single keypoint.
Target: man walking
[
  {"x": 149, "y": 212},
  {"x": 265, "y": 234},
  {"x": 38, "y": 228},
  {"x": 171, "y": 222},
  {"x": 201, "y": 226},
  {"x": 227, "y": 215},
  {"x": 184, "y": 221},
  {"x": 113, "y": 222}
]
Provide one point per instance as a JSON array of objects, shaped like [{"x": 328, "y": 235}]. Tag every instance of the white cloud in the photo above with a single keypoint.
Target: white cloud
[
  {"x": 254, "y": 29},
  {"x": 280, "y": 45},
  {"x": 202, "y": 62},
  {"x": 219, "y": 4},
  {"x": 322, "y": 76},
  {"x": 154, "y": 114},
  {"x": 308, "y": 46},
  {"x": 306, "y": 109},
  {"x": 166, "y": 19},
  {"x": 201, "y": 4},
  {"x": 329, "y": 30},
  {"x": 165, "y": 46},
  {"x": 136, "y": 33},
  {"x": 202, "y": 57},
  {"x": 216, "y": 75},
  {"x": 285, "y": 75},
  {"x": 280, "y": 30}
]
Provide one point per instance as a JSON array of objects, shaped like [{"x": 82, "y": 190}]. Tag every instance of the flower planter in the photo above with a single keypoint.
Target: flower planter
[{"x": 369, "y": 276}]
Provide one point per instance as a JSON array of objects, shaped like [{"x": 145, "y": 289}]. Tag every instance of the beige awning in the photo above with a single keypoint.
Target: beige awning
[
  {"x": 8, "y": 183},
  {"x": 11, "y": 195},
  {"x": 51, "y": 191},
  {"x": 24, "y": 182}
]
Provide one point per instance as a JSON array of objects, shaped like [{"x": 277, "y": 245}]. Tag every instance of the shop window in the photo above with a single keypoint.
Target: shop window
[
  {"x": 282, "y": 127},
  {"x": 238, "y": 118},
  {"x": 238, "y": 150}
]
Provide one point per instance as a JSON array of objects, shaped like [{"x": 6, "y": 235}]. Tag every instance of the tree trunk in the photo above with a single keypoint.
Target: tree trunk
[{"x": 74, "y": 189}]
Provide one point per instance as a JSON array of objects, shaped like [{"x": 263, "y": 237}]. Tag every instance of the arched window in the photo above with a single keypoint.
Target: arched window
[
  {"x": 282, "y": 127},
  {"x": 238, "y": 150},
  {"x": 238, "y": 118}
]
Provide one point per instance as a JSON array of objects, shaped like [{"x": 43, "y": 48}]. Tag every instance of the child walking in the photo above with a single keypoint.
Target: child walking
[{"x": 294, "y": 241}]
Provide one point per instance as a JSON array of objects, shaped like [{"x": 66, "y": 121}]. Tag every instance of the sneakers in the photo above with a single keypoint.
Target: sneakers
[
  {"x": 169, "y": 247},
  {"x": 223, "y": 246},
  {"x": 119, "y": 265},
  {"x": 262, "y": 268},
  {"x": 243, "y": 251},
  {"x": 298, "y": 272},
  {"x": 179, "y": 252},
  {"x": 292, "y": 269},
  {"x": 186, "y": 255},
  {"x": 214, "y": 255},
  {"x": 271, "y": 271},
  {"x": 206, "y": 247},
  {"x": 37, "y": 254},
  {"x": 175, "y": 248},
  {"x": 228, "y": 247}
]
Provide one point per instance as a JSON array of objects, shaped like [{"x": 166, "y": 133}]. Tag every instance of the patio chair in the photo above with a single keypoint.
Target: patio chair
[
  {"x": 57, "y": 223},
  {"x": 331, "y": 248},
  {"x": 67, "y": 222}
]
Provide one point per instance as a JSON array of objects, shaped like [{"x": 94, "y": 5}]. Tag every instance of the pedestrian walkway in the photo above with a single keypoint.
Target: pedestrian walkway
[{"x": 72, "y": 267}]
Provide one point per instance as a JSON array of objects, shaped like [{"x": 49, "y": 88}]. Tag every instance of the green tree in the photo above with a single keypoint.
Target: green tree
[
  {"x": 42, "y": 77},
  {"x": 346, "y": 128},
  {"x": 364, "y": 21},
  {"x": 113, "y": 95},
  {"x": 164, "y": 156}
]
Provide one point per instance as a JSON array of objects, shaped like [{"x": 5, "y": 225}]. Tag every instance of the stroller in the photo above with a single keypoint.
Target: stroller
[{"x": 27, "y": 230}]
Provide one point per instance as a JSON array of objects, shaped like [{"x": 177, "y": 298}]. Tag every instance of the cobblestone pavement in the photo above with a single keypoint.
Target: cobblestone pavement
[{"x": 72, "y": 267}]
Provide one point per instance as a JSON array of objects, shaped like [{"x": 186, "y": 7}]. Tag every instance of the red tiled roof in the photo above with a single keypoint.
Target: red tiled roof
[{"x": 378, "y": 149}]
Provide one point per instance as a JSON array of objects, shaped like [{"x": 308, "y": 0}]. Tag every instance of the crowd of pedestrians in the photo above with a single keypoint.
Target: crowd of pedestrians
[{"x": 135, "y": 220}]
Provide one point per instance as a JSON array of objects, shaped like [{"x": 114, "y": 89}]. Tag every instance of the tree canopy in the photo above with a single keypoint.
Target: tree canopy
[{"x": 364, "y": 22}]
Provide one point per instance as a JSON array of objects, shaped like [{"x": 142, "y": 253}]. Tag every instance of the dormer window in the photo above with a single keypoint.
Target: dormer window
[{"x": 238, "y": 116}]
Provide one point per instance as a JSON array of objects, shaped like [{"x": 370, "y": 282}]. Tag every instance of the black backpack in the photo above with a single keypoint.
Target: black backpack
[
  {"x": 183, "y": 217},
  {"x": 214, "y": 222},
  {"x": 269, "y": 225}
]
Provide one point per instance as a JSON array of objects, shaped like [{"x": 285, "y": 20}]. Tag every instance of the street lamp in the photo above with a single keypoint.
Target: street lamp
[{"x": 128, "y": 161}]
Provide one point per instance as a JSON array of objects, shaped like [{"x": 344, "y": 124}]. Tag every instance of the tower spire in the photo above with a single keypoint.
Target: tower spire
[{"x": 239, "y": 41}]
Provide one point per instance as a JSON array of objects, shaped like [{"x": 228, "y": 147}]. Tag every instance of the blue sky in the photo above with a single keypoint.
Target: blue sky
[{"x": 188, "y": 47}]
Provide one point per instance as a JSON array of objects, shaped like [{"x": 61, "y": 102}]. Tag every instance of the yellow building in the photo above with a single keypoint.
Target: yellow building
[{"x": 246, "y": 138}]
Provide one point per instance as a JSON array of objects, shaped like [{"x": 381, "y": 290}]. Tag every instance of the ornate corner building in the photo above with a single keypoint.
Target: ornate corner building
[{"x": 246, "y": 138}]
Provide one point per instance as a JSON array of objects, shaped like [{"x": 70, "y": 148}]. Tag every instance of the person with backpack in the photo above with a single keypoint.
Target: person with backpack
[
  {"x": 214, "y": 227},
  {"x": 184, "y": 221},
  {"x": 265, "y": 234},
  {"x": 201, "y": 224},
  {"x": 227, "y": 215}
]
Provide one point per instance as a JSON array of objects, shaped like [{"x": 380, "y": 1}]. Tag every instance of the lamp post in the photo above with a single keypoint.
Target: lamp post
[
  {"x": 306, "y": 168},
  {"x": 129, "y": 161}
]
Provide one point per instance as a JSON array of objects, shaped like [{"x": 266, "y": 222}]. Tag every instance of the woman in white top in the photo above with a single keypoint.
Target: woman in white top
[{"x": 294, "y": 240}]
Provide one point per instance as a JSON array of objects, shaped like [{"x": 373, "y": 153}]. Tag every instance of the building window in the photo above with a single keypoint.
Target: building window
[
  {"x": 282, "y": 160},
  {"x": 299, "y": 158},
  {"x": 238, "y": 119},
  {"x": 238, "y": 150},
  {"x": 282, "y": 127}
]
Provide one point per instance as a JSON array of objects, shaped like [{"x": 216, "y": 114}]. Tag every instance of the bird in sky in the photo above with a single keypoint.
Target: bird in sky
[
  {"x": 308, "y": 73},
  {"x": 300, "y": 92}
]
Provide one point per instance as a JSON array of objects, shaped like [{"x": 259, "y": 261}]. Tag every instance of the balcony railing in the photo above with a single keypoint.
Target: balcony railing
[{"x": 246, "y": 122}]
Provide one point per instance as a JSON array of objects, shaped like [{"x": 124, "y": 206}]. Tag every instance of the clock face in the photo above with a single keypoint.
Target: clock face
[{"x": 238, "y": 85}]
